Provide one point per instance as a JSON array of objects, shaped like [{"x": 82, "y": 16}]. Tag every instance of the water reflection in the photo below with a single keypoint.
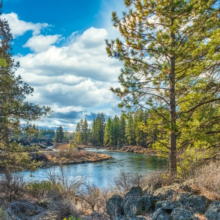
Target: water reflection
[{"x": 101, "y": 174}]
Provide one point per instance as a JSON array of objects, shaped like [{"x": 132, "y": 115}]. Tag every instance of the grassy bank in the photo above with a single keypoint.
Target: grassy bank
[{"x": 65, "y": 154}]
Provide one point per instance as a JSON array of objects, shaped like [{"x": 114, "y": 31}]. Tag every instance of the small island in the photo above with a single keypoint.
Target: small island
[{"x": 66, "y": 154}]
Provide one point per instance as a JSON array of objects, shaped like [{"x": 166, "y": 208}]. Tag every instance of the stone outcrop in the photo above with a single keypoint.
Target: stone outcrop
[
  {"x": 167, "y": 203},
  {"x": 213, "y": 212},
  {"x": 24, "y": 210}
]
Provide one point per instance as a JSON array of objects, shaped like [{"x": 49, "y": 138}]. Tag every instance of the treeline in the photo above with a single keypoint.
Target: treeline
[
  {"x": 62, "y": 135},
  {"x": 116, "y": 131},
  {"x": 41, "y": 133}
]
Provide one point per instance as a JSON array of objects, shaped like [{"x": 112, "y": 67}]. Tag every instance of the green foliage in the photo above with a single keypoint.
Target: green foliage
[
  {"x": 59, "y": 135},
  {"x": 170, "y": 54},
  {"x": 3, "y": 214},
  {"x": 82, "y": 133},
  {"x": 97, "y": 131},
  {"x": 118, "y": 131},
  {"x": 13, "y": 106},
  {"x": 39, "y": 188},
  {"x": 72, "y": 218}
]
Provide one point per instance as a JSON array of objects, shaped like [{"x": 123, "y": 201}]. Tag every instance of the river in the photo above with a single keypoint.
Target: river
[{"x": 103, "y": 173}]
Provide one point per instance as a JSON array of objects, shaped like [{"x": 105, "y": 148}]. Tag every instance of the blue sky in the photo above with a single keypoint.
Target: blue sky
[{"x": 60, "y": 46}]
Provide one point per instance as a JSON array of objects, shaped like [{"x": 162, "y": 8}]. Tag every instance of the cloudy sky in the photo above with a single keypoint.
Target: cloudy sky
[{"x": 61, "y": 49}]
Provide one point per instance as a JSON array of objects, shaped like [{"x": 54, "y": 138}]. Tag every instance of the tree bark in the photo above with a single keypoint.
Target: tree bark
[{"x": 172, "y": 153}]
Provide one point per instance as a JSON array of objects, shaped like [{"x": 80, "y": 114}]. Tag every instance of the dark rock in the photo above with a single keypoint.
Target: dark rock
[
  {"x": 213, "y": 212},
  {"x": 135, "y": 191},
  {"x": 161, "y": 214},
  {"x": 165, "y": 194},
  {"x": 167, "y": 205},
  {"x": 194, "y": 203},
  {"x": 181, "y": 214},
  {"x": 134, "y": 218},
  {"x": 23, "y": 210},
  {"x": 134, "y": 204},
  {"x": 114, "y": 206}
]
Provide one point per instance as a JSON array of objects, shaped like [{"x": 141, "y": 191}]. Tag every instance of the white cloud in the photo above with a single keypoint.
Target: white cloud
[
  {"x": 19, "y": 27},
  {"x": 41, "y": 43},
  {"x": 86, "y": 57},
  {"x": 74, "y": 79}
]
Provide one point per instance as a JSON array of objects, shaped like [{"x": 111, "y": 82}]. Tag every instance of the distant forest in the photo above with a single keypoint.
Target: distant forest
[{"x": 116, "y": 131}]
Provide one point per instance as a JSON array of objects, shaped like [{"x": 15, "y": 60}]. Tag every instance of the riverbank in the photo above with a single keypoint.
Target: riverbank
[
  {"x": 129, "y": 149},
  {"x": 65, "y": 155}
]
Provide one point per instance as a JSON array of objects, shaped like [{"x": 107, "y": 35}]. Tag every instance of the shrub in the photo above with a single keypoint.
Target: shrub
[
  {"x": 125, "y": 181},
  {"x": 39, "y": 189},
  {"x": 3, "y": 214},
  {"x": 72, "y": 218},
  {"x": 209, "y": 177},
  {"x": 154, "y": 181},
  {"x": 12, "y": 186}
]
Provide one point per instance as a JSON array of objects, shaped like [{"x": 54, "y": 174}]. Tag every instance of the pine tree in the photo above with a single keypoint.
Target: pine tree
[
  {"x": 107, "y": 135},
  {"x": 122, "y": 127},
  {"x": 129, "y": 130},
  {"x": 85, "y": 132},
  {"x": 140, "y": 135},
  {"x": 59, "y": 135},
  {"x": 16, "y": 114},
  {"x": 171, "y": 58}
]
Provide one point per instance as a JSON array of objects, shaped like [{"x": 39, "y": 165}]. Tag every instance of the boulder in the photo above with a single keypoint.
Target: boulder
[
  {"x": 160, "y": 214},
  {"x": 181, "y": 214},
  {"x": 194, "y": 203},
  {"x": 168, "y": 192},
  {"x": 165, "y": 194},
  {"x": 135, "y": 191},
  {"x": 24, "y": 210},
  {"x": 213, "y": 212},
  {"x": 132, "y": 206},
  {"x": 114, "y": 206},
  {"x": 167, "y": 205},
  {"x": 135, "y": 204}
]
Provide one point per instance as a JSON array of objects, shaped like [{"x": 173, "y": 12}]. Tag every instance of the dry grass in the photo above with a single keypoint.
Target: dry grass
[
  {"x": 209, "y": 176},
  {"x": 11, "y": 186},
  {"x": 155, "y": 180},
  {"x": 208, "y": 180},
  {"x": 201, "y": 217}
]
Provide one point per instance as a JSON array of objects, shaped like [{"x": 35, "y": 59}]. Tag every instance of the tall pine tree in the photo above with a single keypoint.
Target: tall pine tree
[{"x": 171, "y": 59}]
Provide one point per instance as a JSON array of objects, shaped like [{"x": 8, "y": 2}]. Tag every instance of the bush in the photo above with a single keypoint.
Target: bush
[
  {"x": 67, "y": 209},
  {"x": 125, "y": 181},
  {"x": 12, "y": 186},
  {"x": 154, "y": 181},
  {"x": 39, "y": 189},
  {"x": 209, "y": 177},
  {"x": 3, "y": 214},
  {"x": 72, "y": 218}
]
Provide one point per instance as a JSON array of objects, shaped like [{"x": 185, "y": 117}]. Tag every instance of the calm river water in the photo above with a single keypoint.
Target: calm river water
[{"x": 101, "y": 174}]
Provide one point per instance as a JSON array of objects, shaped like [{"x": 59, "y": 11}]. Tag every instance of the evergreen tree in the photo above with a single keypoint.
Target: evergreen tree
[
  {"x": 59, "y": 135},
  {"x": 115, "y": 128},
  {"x": 171, "y": 58},
  {"x": 107, "y": 135},
  {"x": 129, "y": 131},
  {"x": 122, "y": 127},
  {"x": 85, "y": 132},
  {"x": 13, "y": 107},
  {"x": 140, "y": 134}
]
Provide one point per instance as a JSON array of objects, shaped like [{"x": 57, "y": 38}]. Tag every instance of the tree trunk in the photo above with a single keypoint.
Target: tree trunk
[{"x": 172, "y": 153}]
